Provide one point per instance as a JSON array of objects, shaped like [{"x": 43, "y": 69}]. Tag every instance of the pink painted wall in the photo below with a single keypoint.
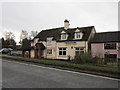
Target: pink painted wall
[
  {"x": 119, "y": 50},
  {"x": 97, "y": 49}
]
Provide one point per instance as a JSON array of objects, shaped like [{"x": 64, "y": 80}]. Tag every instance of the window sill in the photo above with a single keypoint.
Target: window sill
[
  {"x": 62, "y": 55},
  {"x": 110, "y": 49},
  {"x": 49, "y": 44},
  {"x": 77, "y": 38},
  {"x": 49, "y": 54},
  {"x": 63, "y": 39}
]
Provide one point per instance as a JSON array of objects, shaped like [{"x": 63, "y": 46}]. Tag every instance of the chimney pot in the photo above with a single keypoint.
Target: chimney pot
[{"x": 66, "y": 24}]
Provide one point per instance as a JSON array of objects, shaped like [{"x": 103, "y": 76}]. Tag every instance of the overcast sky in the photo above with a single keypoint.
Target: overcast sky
[{"x": 17, "y": 16}]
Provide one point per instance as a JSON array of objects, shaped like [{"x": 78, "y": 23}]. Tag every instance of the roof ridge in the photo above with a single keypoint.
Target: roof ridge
[
  {"x": 63, "y": 27},
  {"x": 86, "y": 27},
  {"x": 107, "y": 32},
  {"x": 52, "y": 29}
]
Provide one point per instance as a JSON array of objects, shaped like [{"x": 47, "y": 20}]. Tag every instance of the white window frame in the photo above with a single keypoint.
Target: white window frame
[
  {"x": 64, "y": 36},
  {"x": 62, "y": 50},
  {"x": 79, "y": 50},
  {"x": 49, "y": 41},
  {"x": 77, "y": 35},
  {"x": 49, "y": 51},
  {"x": 110, "y": 44}
]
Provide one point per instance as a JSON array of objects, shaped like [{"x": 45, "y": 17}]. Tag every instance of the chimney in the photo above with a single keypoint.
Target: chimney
[{"x": 66, "y": 24}]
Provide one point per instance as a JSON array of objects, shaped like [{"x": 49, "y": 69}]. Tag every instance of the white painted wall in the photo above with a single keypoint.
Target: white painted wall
[
  {"x": 69, "y": 49},
  {"x": 32, "y": 54}
]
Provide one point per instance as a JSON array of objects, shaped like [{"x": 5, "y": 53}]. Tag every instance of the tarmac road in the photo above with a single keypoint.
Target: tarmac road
[{"x": 21, "y": 75}]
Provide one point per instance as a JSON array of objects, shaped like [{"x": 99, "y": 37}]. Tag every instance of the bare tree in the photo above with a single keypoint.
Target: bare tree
[
  {"x": 33, "y": 34},
  {"x": 24, "y": 34},
  {"x": 10, "y": 40},
  {"x": 9, "y": 35}
]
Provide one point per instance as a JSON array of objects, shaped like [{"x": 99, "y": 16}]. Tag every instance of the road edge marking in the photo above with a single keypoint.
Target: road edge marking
[{"x": 110, "y": 78}]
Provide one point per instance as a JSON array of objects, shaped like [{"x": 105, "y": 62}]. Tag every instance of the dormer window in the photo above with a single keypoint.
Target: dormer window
[
  {"x": 78, "y": 34},
  {"x": 64, "y": 35}
]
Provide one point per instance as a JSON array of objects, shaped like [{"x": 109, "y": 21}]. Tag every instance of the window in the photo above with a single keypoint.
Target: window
[
  {"x": 110, "y": 46},
  {"x": 49, "y": 51},
  {"x": 79, "y": 50},
  {"x": 36, "y": 40},
  {"x": 62, "y": 51},
  {"x": 63, "y": 36},
  {"x": 49, "y": 41},
  {"x": 78, "y": 35},
  {"x": 112, "y": 56}
]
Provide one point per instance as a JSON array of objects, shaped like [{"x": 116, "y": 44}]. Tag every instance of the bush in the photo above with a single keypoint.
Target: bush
[
  {"x": 83, "y": 58},
  {"x": 97, "y": 61},
  {"x": 78, "y": 59},
  {"x": 110, "y": 61},
  {"x": 87, "y": 57}
]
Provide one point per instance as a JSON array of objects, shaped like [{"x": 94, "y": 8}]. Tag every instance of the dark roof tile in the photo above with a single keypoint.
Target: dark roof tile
[
  {"x": 56, "y": 32},
  {"x": 106, "y": 37}
]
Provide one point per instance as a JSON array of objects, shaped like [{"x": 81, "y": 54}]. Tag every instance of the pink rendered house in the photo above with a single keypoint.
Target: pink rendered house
[{"x": 106, "y": 44}]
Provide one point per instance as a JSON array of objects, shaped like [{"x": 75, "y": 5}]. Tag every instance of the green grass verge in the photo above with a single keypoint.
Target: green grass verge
[{"x": 88, "y": 67}]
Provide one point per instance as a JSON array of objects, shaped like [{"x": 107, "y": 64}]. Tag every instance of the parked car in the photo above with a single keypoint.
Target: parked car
[
  {"x": 10, "y": 49},
  {"x": 5, "y": 51}
]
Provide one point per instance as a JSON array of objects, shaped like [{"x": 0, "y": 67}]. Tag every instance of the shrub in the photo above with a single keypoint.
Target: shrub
[
  {"x": 97, "y": 61},
  {"x": 78, "y": 59},
  {"x": 83, "y": 58},
  {"x": 110, "y": 61},
  {"x": 87, "y": 57}
]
